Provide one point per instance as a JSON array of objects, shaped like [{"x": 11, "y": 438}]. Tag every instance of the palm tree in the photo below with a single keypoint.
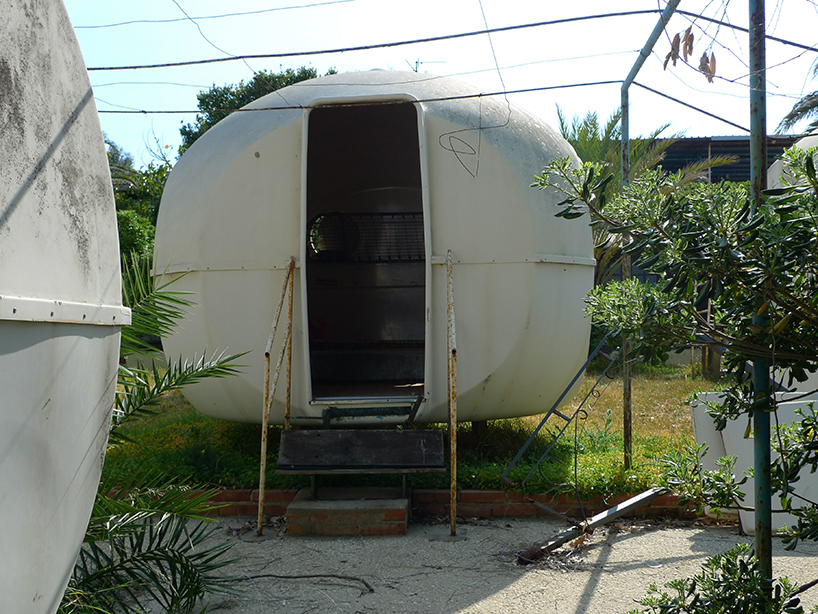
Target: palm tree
[
  {"x": 594, "y": 142},
  {"x": 805, "y": 108},
  {"x": 145, "y": 536}
]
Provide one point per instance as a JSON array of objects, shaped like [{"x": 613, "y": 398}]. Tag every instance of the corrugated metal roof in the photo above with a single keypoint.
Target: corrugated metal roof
[{"x": 688, "y": 150}]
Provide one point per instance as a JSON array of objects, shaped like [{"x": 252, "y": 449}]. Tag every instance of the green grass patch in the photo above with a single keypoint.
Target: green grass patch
[{"x": 191, "y": 447}]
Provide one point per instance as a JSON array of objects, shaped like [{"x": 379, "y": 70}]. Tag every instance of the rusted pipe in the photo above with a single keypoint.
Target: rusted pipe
[
  {"x": 269, "y": 394},
  {"x": 290, "y": 276},
  {"x": 761, "y": 366},
  {"x": 452, "y": 368}
]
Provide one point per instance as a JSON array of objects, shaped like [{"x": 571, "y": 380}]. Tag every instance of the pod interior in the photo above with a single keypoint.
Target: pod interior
[{"x": 366, "y": 273}]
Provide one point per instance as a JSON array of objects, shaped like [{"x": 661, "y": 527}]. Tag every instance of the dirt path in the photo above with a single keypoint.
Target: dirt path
[{"x": 423, "y": 573}]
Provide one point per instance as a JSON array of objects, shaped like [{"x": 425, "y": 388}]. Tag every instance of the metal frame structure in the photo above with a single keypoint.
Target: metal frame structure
[
  {"x": 270, "y": 391},
  {"x": 568, "y": 420},
  {"x": 452, "y": 371}
]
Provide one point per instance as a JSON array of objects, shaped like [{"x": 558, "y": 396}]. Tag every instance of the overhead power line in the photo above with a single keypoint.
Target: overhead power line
[
  {"x": 769, "y": 37},
  {"x": 431, "y": 39},
  {"x": 690, "y": 106},
  {"x": 428, "y": 100},
  {"x": 510, "y": 67},
  {"x": 222, "y": 16},
  {"x": 363, "y": 103}
]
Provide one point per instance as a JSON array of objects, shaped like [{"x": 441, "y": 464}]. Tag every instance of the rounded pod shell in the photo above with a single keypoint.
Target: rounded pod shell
[
  {"x": 778, "y": 169},
  {"x": 368, "y": 180},
  {"x": 60, "y": 304}
]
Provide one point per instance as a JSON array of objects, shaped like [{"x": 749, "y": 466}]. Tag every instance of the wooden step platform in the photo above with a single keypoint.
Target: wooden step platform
[{"x": 330, "y": 451}]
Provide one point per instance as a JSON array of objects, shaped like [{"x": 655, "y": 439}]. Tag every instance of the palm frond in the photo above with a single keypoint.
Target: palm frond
[
  {"x": 155, "y": 310},
  {"x": 165, "y": 561},
  {"x": 648, "y": 152},
  {"x": 124, "y": 176},
  {"x": 805, "y": 108},
  {"x": 120, "y": 503},
  {"x": 608, "y": 260},
  {"x": 141, "y": 389},
  {"x": 591, "y": 140},
  {"x": 143, "y": 541},
  {"x": 702, "y": 165}
]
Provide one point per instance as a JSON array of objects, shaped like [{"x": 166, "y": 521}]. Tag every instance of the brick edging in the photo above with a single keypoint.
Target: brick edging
[{"x": 470, "y": 503}]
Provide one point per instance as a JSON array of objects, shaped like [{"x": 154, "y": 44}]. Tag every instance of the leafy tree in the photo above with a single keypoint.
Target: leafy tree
[
  {"x": 140, "y": 190},
  {"x": 219, "y": 101},
  {"x": 135, "y": 233},
  {"x": 137, "y": 194},
  {"x": 730, "y": 583},
  {"x": 758, "y": 269},
  {"x": 601, "y": 143}
]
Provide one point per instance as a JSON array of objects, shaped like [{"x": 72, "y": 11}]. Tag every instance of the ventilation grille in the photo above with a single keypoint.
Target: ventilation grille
[{"x": 367, "y": 237}]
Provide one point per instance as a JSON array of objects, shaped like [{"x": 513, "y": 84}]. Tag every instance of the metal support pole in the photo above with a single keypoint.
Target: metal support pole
[
  {"x": 269, "y": 392},
  {"x": 761, "y": 367},
  {"x": 644, "y": 54},
  {"x": 290, "y": 277},
  {"x": 627, "y": 387},
  {"x": 625, "y": 127},
  {"x": 761, "y": 465},
  {"x": 627, "y": 273},
  {"x": 452, "y": 364}
]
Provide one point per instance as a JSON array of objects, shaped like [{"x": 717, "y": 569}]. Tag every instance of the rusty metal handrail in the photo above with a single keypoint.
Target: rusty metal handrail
[
  {"x": 452, "y": 368},
  {"x": 269, "y": 394}
]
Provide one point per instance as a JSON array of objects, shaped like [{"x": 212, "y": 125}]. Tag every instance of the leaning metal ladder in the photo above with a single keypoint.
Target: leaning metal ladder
[
  {"x": 588, "y": 524},
  {"x": 567, "y": 420}
]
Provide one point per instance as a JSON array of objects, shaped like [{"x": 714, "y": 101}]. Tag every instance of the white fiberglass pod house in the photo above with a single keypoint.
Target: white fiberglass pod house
[
  {"x": 367, "y": 179},
  {"x": 60, "y": 304}
]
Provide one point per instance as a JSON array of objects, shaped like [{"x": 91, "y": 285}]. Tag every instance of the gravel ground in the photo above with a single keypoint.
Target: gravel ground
[{"x": 424, "y": 572}]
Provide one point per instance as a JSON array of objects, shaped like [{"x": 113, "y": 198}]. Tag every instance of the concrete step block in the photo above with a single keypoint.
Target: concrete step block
[{"x": 348, "y": 511}]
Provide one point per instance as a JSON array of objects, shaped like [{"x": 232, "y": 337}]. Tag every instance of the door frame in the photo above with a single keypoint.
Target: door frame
[{"x": 427, "y": 237}]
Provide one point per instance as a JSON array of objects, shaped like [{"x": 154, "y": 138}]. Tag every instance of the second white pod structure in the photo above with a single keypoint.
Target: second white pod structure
[
  {"x": 60, "y": 304},
  {"x": 367, "y": 180}
]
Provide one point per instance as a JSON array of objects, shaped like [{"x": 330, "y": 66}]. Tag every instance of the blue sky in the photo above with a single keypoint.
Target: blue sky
[{"x": 546, "y": 56}]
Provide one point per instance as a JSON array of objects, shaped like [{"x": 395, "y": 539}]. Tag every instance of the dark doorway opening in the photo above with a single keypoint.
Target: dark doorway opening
[{"x": 365, "y": 269}]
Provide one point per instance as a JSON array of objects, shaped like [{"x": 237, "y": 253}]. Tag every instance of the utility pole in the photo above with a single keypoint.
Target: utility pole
[{"x": 761, "y": 367}]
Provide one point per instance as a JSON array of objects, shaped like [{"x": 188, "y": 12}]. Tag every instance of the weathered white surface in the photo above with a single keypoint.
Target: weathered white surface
[
  {"x": 230, "y": 216},
  {"x": 777, "y": 168},
  {"x": 704, "y": 429},
  {"x": 57, "y": 385},
  {"x": 743, "y": 449},
  {"x": 731, "y": 442},
  {"x": 59, "y": 282},
  {"x": 775, "y": 174}
]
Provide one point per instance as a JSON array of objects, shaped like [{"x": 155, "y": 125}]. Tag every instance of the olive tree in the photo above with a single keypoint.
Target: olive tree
[{"x": 708, "y": 244}]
